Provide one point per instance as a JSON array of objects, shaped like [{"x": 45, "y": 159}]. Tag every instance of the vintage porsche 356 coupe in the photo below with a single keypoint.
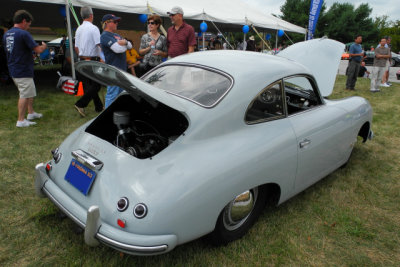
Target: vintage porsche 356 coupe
[{"x": 201, "y": 144}]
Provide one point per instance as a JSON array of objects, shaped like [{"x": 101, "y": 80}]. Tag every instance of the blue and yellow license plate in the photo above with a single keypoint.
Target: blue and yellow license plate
[{"x": 80, "y": 176}]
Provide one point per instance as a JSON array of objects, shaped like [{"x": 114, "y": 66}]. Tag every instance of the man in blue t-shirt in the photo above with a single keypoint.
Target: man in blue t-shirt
[
  {"x": 113, "y": 47},
  {"x": 19, "y": 45},
  {"x": 356, "y": 54}
]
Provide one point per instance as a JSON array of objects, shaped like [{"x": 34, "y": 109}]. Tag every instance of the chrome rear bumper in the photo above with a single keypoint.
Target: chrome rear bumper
[{"x": 95, "y": 230}]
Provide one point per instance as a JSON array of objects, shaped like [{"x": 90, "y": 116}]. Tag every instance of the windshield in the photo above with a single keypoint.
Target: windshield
[{"x": 202, "y": 86}]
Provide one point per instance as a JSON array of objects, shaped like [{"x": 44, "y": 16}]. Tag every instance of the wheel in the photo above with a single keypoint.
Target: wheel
[{"x": 238, "y": 216}]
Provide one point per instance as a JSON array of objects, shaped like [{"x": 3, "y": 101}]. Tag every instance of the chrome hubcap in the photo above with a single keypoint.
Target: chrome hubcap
[{"x": 239, "y": 209}]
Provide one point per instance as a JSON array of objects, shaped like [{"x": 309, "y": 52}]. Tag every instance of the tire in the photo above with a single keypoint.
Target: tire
[{"x": 227, "y": 228}]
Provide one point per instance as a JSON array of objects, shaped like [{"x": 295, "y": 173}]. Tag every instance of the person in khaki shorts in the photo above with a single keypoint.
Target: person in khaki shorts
[
  {"x": 19, "y": 46},
  {"x": 382, "y": 55}
]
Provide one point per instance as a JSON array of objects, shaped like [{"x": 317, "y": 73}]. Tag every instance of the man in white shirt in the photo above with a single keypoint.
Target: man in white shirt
[{"x": 87, "y": 46}]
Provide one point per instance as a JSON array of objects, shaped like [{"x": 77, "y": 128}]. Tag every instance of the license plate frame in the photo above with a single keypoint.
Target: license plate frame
[{"x": 80, "y": 176}]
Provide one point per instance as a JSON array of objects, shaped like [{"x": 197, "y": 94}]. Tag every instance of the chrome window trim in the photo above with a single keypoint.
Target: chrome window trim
[
  {"x": 304, "y": 111},
  {"x": 312, "y": 82},
  {"x": 286, "y": 115},
  {"x": 255, "y": 98},
  {"x": 315, "y": 88},
  {"x": 229, "y": 77}
]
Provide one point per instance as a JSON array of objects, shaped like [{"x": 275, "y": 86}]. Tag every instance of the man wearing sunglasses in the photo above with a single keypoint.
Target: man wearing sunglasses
[
  {"x": 181, "y": 38},
  {"x": 114, "y": 48}
]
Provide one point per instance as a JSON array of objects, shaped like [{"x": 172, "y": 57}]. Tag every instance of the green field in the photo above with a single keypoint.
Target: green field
[{"x": 350, "y": 218}]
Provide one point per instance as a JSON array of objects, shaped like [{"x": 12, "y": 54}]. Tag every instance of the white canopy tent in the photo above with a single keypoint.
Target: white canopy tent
[{"x": 221, "y": 11}]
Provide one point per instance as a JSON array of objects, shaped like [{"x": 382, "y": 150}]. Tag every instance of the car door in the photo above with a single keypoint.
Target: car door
[
  {"x": 277, "y": 150},
  {"x": 318, "y": 129}
]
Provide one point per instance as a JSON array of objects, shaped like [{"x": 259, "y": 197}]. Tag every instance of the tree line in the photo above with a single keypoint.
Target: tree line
[{"x": 342, "y": 22}]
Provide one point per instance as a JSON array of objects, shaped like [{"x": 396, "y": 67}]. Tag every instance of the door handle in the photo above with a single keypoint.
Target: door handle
[{"x": 304, "y": 143}]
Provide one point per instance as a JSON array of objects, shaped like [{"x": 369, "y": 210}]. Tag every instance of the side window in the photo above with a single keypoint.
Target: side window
[
  {"x": 300, "y": 94},
  {"x": 267, "y": 105}
]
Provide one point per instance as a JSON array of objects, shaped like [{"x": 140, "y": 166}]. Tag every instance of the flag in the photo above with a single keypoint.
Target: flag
[{"x": 315, "y": 8}]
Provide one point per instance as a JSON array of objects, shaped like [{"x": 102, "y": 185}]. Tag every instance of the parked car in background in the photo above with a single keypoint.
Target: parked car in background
[
  {"x": 200, "y": 144},
  {"x": 345, "y": 56},
  {"x": 369, "y": 59},
  {"x": 395, "y": 60}
]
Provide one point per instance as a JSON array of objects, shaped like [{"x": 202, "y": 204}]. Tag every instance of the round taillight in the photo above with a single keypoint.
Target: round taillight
[
  {"x": 48, "y": 167},
  {"x": 140, "y": 210},
  {"x": 122, "y": 204}
]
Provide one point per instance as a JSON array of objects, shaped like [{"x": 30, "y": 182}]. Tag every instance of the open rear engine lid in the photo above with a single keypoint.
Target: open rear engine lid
[
  {"x": 321, "y": 57},
  {"x": 108, "y": 75}
]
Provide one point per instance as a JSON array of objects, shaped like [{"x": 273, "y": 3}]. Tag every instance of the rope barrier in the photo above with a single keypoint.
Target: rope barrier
[
  {"x": 71, "y": 7},
  {"x": 262, "y": 39},
  {"x": 208, "y": 18},
  {"x": 288, "y": 37}
]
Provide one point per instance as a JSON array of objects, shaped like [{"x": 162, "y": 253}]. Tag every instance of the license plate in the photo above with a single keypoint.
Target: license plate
[{"x": 80, "y": 176}]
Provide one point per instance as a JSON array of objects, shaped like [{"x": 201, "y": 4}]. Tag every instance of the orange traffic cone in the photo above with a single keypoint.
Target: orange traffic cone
[{"x": 80, "y": 89}]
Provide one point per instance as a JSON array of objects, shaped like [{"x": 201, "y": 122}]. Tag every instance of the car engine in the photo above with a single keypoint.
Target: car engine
[
  {"x": 138, "y": 138},
  {"x": 140, "y": 127}
]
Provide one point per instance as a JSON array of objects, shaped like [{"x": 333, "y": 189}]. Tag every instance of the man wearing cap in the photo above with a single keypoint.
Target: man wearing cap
[
  {"x": 181, "y": 38},
  {"x": 87, "y": 46},
  {"x": 114, "y": 48}
]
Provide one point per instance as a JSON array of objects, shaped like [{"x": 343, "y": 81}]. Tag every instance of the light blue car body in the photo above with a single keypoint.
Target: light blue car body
[{"x": 218, "y": 156}]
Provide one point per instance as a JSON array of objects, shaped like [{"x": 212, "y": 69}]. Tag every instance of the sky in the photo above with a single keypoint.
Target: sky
[{"x": 379, "y": 7}]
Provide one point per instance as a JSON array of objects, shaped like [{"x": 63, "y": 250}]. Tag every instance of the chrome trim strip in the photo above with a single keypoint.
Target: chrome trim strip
[
  {"x": 62, "y": 208},
  {"x": 87, "y": 159},
  {"x": 133, "y": 248},
  {"x": 102, "y": 238}
]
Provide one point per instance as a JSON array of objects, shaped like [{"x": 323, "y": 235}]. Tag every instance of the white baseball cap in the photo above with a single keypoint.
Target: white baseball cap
[{"x": 175, "y": 10}]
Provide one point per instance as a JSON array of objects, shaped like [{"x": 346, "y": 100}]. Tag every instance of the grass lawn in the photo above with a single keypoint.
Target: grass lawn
[{"x": 350, "y": 218}]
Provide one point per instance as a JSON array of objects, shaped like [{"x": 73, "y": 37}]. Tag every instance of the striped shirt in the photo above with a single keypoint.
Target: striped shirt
[{"x": 178, "y": 41}]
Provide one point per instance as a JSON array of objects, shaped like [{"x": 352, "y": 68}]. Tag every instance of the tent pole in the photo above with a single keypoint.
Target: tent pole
[
  {"x": 305, "y": 35},
  {"x": 226, "y": 39},
  {"x": 276, "y": 42},
  {"x": 71, "y": 48},
  {"x": 263, "y": 42},
  {"x": 259, "y": 35}
]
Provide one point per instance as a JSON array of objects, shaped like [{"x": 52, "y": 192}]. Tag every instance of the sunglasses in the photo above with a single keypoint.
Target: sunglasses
[
  {"x": 113, "y": 21},
  {"x": 171, "y": 15},
  {"x": 151, "y": 22}
]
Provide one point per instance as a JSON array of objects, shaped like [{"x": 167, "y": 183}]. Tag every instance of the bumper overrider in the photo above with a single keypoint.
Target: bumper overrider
[{"x": 94, "y": 229}]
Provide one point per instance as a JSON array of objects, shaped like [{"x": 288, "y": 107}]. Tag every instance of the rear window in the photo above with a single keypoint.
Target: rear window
[{"x": 205, "y": 87}]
